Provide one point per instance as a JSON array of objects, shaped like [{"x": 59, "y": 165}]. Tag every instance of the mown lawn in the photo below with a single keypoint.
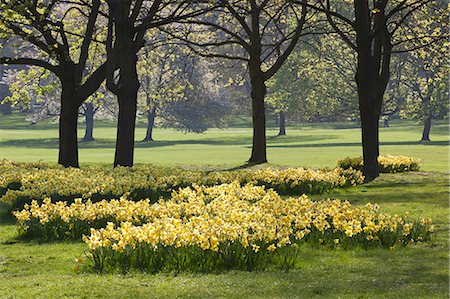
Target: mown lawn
[
  {"x": 32, "y": 270},
  {"x": 307, "y": 145}
]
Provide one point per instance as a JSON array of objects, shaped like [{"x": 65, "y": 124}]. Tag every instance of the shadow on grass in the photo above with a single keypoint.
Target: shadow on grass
[
  {"x": 393, "y": 197},
  {"x": 246, "y": 165},
  {"x": 341, "y": 144},
  {"x": 110, "y": 143},
  {"x": 273, "y": 142},
  {"x": 406, "y": 188},
  {"x": 5, "y": 216}
]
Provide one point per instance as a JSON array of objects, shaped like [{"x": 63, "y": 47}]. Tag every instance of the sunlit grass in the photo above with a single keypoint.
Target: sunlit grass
[
  {"x": 307, "y": 145},
  {"x": 30, "y": 269}
]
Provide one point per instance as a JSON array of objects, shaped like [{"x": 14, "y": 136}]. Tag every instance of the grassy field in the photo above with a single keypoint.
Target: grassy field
[
  {"x": 309, "y": 145},
  {"x": 33, "y": 270}
]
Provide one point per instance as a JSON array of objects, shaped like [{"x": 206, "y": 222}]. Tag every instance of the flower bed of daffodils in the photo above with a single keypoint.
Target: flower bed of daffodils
[
  {"x": 20, "y": 183},
  {"x": 214, "y": 228},
  {"x": 387, "y": 164}
]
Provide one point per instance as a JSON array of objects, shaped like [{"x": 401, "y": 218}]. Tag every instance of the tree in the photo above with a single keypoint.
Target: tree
[
  {"x": 96, "y": 106},
  {"x": 426, "y": 76},
  {"x": 374, "y": 29},
  {"x": 128, "y": 23},
  {"x": 259, "y": 34},
  {"x": 38, "y": 91},
  {"x": 202, "y": 104},
  {"x": 163, "y": 73},
  {"x": 41, "y": 30},
  {"x": 5, "y": 107},
  {"x": 396, "y": 91},
  {"x": 317, "y": 74},
  {"x": 34, "y": 90}
]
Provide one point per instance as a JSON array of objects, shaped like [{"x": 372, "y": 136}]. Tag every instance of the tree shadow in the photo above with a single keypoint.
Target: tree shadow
[
  {"x": 421, "y": 190},
  {"x": 110, "y": 143},
  {"x": 298, "y": 141},
  {"x": 246, "y": 165},
  {"x": 343, "y": 144}
]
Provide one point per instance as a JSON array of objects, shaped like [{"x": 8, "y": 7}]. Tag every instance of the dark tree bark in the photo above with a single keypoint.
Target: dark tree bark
[
  {"x": 282, "y": 124},
  {"x": 369, "y": 129},
  {"x": 372, "y": 77},
  {"x": 259, "y": 152},
  {"x": 127, "y": 97},
  {"x": 426, "y": 130},
  {"x": 151, "y": 115},
  {"x": 72, "y": 96},
  {"x": 365, "y": 80},
  {"x": 89, "y": 116},
  {"x": 127, "y": 86},
  {"x": 68, "y": 143}
]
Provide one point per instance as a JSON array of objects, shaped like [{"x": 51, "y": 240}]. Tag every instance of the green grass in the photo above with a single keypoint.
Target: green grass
[
  {"x": 29, "y": 269},
  {"x": 308, "y": 145},
  {"x": 33, "y": 270}
]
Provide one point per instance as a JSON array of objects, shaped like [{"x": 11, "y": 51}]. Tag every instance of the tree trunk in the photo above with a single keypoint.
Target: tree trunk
[
  {"x": 282, "y": 124},
  {"x": 259, "y": 154},
  {"x": 68, "y": 143},
  {"x": 127, "y": 96},
  {"x": 151, "y": 115},
  {"x": 372, "y": 76},
  {"x": 370, "y": 113},
  {"x": 386, "y": 122},
  {"x": 369, "y": 129},
  {"x": 124, "y": 60},
  {"x": 89, "y": 115},
  {"x": 426, "y": 130}
]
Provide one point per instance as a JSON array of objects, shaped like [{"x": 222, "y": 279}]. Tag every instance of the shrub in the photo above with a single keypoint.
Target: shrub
[{"x": 387, "y": 164}]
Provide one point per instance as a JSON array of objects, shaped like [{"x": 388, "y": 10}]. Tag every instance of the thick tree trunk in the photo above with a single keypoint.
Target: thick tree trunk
[
  {"x": 369, "y": 108},
  {"x": 282, "y": 124},
  {"x": 426, "y": 130},
  {"x": 369, "y": 129},
  {"x": 124, "y": 60},
  {"x": 68, "y": 143},
  {"x": 124, "y": 155},
  {"x": 127, "y": 97},
  {"x": 89, "y": 115},
  {"x": 371, "y": 85},
  {"x": 259, "y": 154},
  {"x": 151, "y": 115}
]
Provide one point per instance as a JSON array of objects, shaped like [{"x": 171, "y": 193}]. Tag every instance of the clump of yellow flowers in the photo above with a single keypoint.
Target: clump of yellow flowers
[
  {"x": 387, "y": 164},
  {"x": 21, "y": 183},
  {"x": 228, "y": 226}
]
